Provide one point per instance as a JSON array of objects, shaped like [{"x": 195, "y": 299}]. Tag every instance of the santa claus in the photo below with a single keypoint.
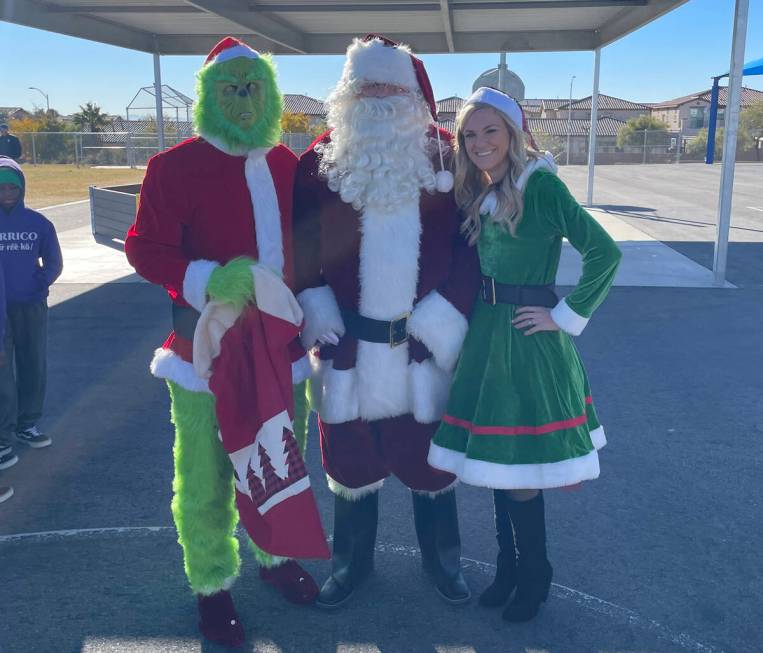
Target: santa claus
[{"x": 386, "y": 282}]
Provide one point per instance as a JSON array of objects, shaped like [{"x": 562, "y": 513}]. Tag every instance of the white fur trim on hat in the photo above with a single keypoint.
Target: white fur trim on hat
[
  {"x": 195, "y": 282},
  {"x": 241, "y": 50},
  {"x": 373, "y": 61},
  {"x": 500, "y": 102}
]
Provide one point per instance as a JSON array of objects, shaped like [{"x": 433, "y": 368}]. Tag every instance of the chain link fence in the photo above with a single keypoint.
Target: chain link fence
[{"x": 130, "y": 149}]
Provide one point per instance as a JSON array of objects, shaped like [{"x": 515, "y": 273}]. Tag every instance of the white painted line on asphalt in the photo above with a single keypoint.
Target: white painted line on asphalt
[
  {"x": 583, "y": 600},
  {"x": 58, "y": 206},
  {"x": 755, "y": 208}
]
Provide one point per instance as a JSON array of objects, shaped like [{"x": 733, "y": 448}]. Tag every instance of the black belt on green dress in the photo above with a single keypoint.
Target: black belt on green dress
[
  {"x": 184, "y": 319},
  {"x": 493, "y": 293},
  {"x": 393, "y": 333}
]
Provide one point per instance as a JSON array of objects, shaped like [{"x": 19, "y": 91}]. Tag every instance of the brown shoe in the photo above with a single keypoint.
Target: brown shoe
[
  {"x": 218, "y": 620},
  {"x": 292, "y": 581}
]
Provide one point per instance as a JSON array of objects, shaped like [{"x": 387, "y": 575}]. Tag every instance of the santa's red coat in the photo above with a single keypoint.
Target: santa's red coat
[{"x": 381, "y": 266}]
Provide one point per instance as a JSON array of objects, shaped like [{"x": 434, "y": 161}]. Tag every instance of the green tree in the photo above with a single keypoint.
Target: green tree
[
  {"x": 697, "y": 147},
  {"x": 548, "y": 143},
  {"x": 294, "y": 123},
  {"x": 633, "y": 132},
  {"x": 90, "y": 118}
]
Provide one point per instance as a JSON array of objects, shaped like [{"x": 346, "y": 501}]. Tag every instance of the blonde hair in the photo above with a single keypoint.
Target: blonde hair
[{"x": 472, "y": 184}]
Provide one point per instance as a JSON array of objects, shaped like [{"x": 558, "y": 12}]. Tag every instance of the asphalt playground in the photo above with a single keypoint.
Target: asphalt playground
[{"x": 661, "y": 554}]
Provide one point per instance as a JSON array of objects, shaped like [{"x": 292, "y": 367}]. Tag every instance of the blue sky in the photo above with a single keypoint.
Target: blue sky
[{"x": 673, "y": 56}]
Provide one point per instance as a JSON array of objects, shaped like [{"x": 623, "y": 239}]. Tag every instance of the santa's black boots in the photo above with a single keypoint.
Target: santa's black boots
[
  {"x": 534, "y": 571},
  {"x": 436, "y": 520},
  {"x": 505, "y": 581},
  {"x": 292, "y": 581},
  {"x": 352, "y": 560},
  {"x": 218, "y": 620}
]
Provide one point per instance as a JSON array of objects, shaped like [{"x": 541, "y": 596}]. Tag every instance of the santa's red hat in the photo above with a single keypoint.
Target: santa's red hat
[
  {"x": 375, "y": 58},
  {"x": 230, "y": 48}
]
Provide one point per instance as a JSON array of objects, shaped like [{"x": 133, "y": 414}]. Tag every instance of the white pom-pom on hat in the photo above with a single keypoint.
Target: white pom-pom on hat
[{"x": 444, "y": 181}]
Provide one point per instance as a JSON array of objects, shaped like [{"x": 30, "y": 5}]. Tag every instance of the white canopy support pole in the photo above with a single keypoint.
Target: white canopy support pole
[
  {"x": 594, "y": 119},
  {"x": 502, "y": 73},
  {"x": 158, "y": 94},
  {"x": 731, "y": 124}
]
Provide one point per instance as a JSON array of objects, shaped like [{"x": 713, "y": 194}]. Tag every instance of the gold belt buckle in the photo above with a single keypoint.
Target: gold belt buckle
[
  {"x": 492, "y": 301},
  {"x": 394, "y": 325}
]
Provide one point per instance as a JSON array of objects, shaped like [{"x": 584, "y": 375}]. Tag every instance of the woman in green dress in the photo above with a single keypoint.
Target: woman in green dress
[{"x": 520, "y": 417}]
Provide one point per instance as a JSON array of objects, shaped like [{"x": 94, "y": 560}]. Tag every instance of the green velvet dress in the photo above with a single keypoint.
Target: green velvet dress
[{"x": 520, "y": 412}]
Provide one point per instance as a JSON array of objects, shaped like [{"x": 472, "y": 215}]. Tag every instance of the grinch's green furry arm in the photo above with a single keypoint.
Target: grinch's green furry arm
[{"x": 233, "y": 283}]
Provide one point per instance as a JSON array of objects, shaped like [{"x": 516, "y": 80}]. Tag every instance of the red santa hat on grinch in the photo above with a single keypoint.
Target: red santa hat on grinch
[
  {"x": 230, "y": 48},
  {"x": 375, "y": 58}
]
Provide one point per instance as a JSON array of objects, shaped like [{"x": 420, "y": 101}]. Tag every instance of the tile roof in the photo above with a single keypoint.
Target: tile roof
[
  {"x": 303, "y": 104},
  {"x": 558, "y": 126},
  {"x": 749, "y": 96},
  {"x": 606, "y": 102},
  {"x": 451, "y": 104}
]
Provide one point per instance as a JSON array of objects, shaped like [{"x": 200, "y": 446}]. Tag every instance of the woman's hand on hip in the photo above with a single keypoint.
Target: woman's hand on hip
[{"x": 534, "y": 319}]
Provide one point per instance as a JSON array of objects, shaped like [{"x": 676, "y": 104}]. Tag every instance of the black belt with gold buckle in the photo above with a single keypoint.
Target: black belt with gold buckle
[
  {"x": 393, "y": 332},
  {"x": 493, "y": 292}
]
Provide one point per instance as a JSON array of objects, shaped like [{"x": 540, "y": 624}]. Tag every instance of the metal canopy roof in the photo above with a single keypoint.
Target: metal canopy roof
[{"x": 326, "y": 26}]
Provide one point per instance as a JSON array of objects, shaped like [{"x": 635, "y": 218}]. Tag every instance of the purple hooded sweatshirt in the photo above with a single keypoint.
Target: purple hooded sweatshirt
[{"x": 29, "y": 250}]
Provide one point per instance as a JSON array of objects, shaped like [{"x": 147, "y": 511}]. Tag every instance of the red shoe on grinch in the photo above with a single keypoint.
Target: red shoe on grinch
[{"x": 292, "y": 581}]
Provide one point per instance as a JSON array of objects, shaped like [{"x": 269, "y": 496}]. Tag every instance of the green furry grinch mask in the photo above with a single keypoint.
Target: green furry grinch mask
[{"x": 239, "y": 104}]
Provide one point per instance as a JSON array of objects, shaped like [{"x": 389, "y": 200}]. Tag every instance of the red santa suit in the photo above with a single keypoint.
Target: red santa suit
[
  {"x": 379, "y": 404},
  {"x": 199, "y": 208}
]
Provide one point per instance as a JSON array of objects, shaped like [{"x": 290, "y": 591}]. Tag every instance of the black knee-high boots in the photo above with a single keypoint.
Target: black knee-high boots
[
  {"x": 352, "y": 560},
  {"x": 436, "y": 520},
  {"x": 522, "y": 560}
]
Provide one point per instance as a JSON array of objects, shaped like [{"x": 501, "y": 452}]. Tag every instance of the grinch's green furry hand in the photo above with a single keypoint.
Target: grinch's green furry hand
[{"x": 233, "y": 283}]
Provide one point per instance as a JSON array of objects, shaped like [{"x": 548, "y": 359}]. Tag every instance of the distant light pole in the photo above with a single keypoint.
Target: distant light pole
[
  {"x": 44, "y": 94},
  {"x": 569, "y": 121}
]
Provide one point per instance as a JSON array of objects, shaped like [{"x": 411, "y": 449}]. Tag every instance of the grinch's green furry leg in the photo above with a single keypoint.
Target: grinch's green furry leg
[
  {"x": 204, "y": 498},
  {"x": 301, "y": 412}
]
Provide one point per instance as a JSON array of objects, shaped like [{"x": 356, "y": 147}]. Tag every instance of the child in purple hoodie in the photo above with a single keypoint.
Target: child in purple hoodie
[{"x": 31, "y": 259}]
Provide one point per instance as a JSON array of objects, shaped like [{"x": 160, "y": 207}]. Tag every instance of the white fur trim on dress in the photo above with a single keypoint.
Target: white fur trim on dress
[
  {"x": 166, "y": 364},
  {"x": 567, "y": 319},
  {"x": 195, "y": 282},
  {"x": 300, "y": 370},
  {"x": 544, "y": 162},
  {"x": 372, "y": 61},
  {"x": 353, "y": 493},
  {"x": 267, "y": 214},
  {"x": 429, "y": 391},
  {"x": 321, "y": 314},
  {"x": 515, "y": 477},
  {"x": 441, "y": 327}
]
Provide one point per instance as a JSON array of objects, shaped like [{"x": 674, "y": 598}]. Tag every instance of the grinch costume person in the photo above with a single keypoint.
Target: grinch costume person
[
  {"x": 521, "y": 418},
  {"x": 209, "y": 208},
  {"x": 386, "y": 282}
]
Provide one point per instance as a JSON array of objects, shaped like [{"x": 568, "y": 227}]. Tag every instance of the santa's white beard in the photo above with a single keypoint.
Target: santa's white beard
[{"x": 379, "y": 150}]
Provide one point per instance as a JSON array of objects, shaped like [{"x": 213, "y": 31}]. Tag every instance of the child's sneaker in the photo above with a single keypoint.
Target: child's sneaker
[
  {"x": 5, "y": 493},
  {"x": 34, "y": 438},
  {"x": 8, "y": 459},
  {"x": 5, "y": 447}
]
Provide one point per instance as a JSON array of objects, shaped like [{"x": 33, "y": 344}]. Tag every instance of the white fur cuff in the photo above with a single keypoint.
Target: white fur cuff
[
  {"x": 195, "y": 282},
  {"x": 441, "y": 327},
  {"x": 567, "y": 319},
  {"x": 321, "y": 314}
]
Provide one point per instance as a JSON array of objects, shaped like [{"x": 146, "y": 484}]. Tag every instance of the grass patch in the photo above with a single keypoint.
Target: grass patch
[{"x": 51, "y": 184}]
